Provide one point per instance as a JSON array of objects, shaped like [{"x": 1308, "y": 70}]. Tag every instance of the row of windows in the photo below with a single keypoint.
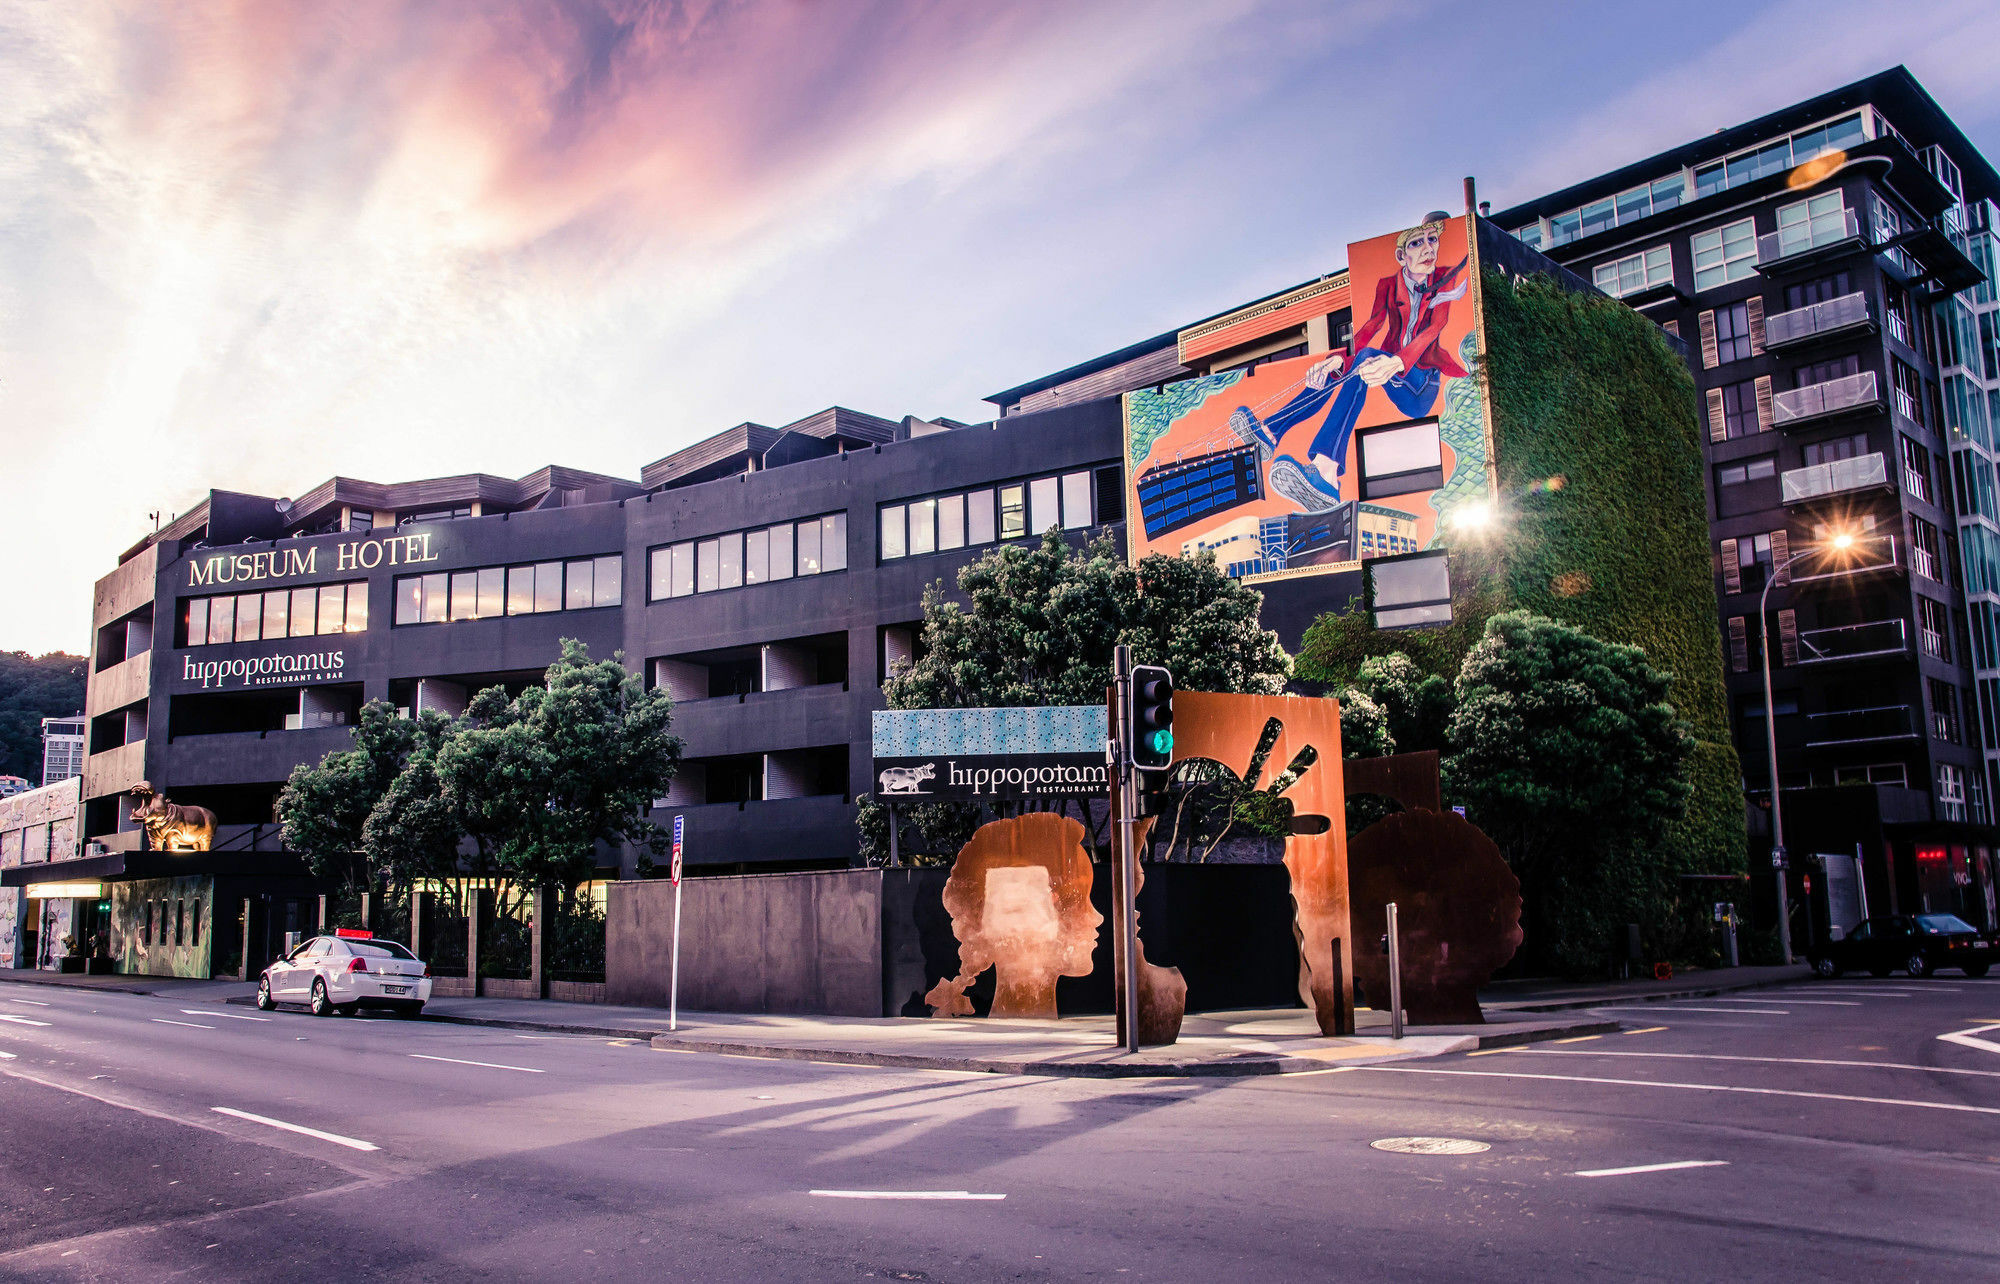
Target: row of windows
[
  {"x": 814, "y": 546},
  {"x": 490, "y": 591},
  {"x": 971, "y": 518},
  {"x": 176, "y": 922},
  {"x": 279, "y": 613}
]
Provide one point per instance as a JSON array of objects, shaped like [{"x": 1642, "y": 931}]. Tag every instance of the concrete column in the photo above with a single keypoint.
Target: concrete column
[
  {"x": 367, "y": 903},
  {"x": 476, "y": 911},
  {"x": 538, "y": 938},
  {"x": 321, "y": 929},
  {"x": 243, "y": 958},
  {"x": 417, "y": 924}
]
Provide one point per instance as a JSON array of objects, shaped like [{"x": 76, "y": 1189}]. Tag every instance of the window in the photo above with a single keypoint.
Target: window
[
  {"x": 1636, "y": 272},
  {"x": 763, "y": 555},
  {"x": 488, "y": 592},
  {"x": 1813, "y": 222},
  {"x": 951, "y": 521},
  {"x": 277, "y": 613},
  {"x": 1732, "y": 332},
  {"x": 1944, "y": 710},
  {"x": 923, "y": 527},
  {"x": 1934, "y": 628},
  {"x": 1746, "y": 487},
  {"x": 1826, "y": 371},
  {"x": 360, "y": 519},
  {"x": 945, "y": 522},
  {"x": 434, "y": 515},
  {"x": 1013, "y": 512},
  {"x": 1818, "y": 290},
  {"x": 1044, "y": 498},
  {"x": 1408, "y": 592},
  {"x": 1724, "y": 254},
  {"x": 1916, "y": 468},
  {"x": 1826, "y": 452},
  {"x": 1774, "y": 157},
  {"x": 1925, "y": 559},
  {"x": 1739, "y": 407},
  {"x": 1909, "y": 386},
  {"x": 1753, "y": 561},
  {"x": 979, "y": 527},
  {"x": 1401, "y": 460},
  {"x": 1896, "y": 313}
]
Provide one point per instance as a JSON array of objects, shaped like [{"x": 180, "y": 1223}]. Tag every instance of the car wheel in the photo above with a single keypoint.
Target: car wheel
[
  {"x": 264, "y": 1000},
  {"x": 321, "y": 1004},
  {"x": 1976, "y": 970},
  {"x": 1918, "y": 966},
  {"x": 1825, "y": 968}
]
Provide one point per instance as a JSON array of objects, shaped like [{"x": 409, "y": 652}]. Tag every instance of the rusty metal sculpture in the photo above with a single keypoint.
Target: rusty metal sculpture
[
  {"x": 1458, "y": 911},
  {"x": 169, "y": 826},
  {"x": 1019, "y": 900}
]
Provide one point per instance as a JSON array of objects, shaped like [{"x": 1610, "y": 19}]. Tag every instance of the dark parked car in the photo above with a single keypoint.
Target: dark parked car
[{"x": 1915, "y": 943}]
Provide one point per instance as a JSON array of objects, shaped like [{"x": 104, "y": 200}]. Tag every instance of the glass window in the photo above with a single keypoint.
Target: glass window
[
  {"x": 756, "y": 556},
  {"x": 708, "y": 556},
  {"x": 1724, "y": 254},
  {"x": 520, "y": 590},
  {"x": 1562, "y": 228},
  {"x": 923, "y": 527},
  {"x": 1596, "y": 217},
  {"x": 808, "y": 537},
  {"x": 895, "y": 522},
  {"x": 1044, "y": 496},
  {"x": 782, "y": 543},
  {"x": 951, "y": 521},
  {"x": 1667, "y": 191},
  {"x": 608, "y": 582},
  {"x": 1739, "y": 409},
  {"x": 464, "y": 595},
  {"x": 492, "y": 592},
  {"x": 435, "y": 590},
  {"x": 1635, "y": 204},
  {"x": 833, "y": 542},
  {"x": 305, "y": 612},
  {"x": 1817, "y": 220},
  {"x": 576, "y": 593},
  {"x": 730, "y": 573},
  {"x": 197, "y": 622},
  {"x": 249, "y": 615},
  {"x": 357, "y": 606},
  {"x": 683, "y": 570},
  {"x": 1400, "y": 460},
  {"x": 659, "y": 563},
  {"x": 277, "y": 613},
  {"x": 1013, "y": 512},
  {"x": 1635, "y": 272},
  {"x": 221, "y": 619},
  {"x": 409, "y": 600},
  {"x": 332, "y": 608},
  {"x": 1076, "y": 500},
  {"x": 548, "y": 586},
  {"x": 1732, "y": 332},
  {"x": 979, "y": 517}
]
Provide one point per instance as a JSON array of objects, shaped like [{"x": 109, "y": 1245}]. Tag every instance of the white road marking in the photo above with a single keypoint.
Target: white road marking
[
  {"x": 1697, "y": 1087},
  {"x": 1652, "y": 1168},
  {"x": 488, "y": 1065},
  {"x": 1654, "y": 1007},
  {"x": 1787, "y": 1061},
  {"x": 901, "y": 1194},
  {"x": 1966, "y": 1039},
  {"x": 20, "y": 1020},
  {"x": 33, "y": 1003},
  {"x": 334, "y": 1137},
  {"x": 233, "y": 1016},
  {"x": 189, "y": 1024},
  {"x": 8, "y": 1056},
  {"x": 1809, "y": 1003}
]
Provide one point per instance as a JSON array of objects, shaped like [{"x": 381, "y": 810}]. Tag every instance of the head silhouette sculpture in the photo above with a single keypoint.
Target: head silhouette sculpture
[{"x": 1019, "y": 900}]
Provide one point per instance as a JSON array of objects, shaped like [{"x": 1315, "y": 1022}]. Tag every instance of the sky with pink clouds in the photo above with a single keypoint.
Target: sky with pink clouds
[{"x": 250, "y": 245}]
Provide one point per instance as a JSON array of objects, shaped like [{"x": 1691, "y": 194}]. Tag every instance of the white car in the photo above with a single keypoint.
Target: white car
[{"x": 346, "y": 972}]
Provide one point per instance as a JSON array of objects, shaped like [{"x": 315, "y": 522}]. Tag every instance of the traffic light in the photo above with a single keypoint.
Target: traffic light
[{"x": 1152, "y": 717}]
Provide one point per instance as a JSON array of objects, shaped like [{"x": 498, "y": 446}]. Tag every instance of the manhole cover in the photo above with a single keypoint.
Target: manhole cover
[{"x": 1430, "y": 1145}]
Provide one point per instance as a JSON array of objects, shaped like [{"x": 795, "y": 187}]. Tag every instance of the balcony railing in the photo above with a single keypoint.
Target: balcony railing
[
  {"x": 1843, "y": 315},
  {"x": 1853, "y": 642},
  {"x": 1831, "y": 228},
  {"x": 1869, "y": 554},
  {"x": 1861, "y": 726},
  {"x": 1840, "y": 477},
  {"x": 1834, "y": 397}
]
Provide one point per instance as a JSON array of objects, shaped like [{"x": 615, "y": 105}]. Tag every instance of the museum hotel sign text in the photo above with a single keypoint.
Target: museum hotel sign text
[{"x": 285, "y": 563}]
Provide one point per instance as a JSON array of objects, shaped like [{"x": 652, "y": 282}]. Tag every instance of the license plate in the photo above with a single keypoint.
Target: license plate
[{"x": 396, "y": 989}]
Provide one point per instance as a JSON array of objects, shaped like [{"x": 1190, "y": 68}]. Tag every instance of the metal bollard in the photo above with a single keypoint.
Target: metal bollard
[{"x": 1395, "y": 977}]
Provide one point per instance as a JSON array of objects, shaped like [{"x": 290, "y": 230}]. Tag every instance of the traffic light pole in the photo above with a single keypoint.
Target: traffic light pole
[{"x": 1125, "y": 847}]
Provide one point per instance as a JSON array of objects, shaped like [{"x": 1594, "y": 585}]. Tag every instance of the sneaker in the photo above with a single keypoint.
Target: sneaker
[
  {"x": 1250, "y": 430},
  {"x": 1303, "y": 486}
]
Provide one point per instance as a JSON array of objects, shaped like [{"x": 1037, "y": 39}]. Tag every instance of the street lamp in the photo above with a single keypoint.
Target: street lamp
[{"x": 1838, "y": 544}]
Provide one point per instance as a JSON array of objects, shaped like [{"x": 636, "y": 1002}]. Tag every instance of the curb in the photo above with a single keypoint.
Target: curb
[
  {"x": 502, "y": 1023},
  {"x": 107, "y": 989},
  {"x": 1657, "y": 996}
]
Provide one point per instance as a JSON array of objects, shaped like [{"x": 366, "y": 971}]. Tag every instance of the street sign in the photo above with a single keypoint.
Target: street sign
[
  {"x": 674, "y": 985},
  {"x": 680, "y": 832},
  {"x": 1777, "y": 858}
]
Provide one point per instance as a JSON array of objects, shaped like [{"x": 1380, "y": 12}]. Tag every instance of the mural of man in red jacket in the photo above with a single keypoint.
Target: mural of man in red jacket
[{"x": 1396, "y": 349}]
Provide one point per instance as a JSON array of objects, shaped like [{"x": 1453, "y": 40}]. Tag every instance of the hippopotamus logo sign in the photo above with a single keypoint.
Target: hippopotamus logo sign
[{"x": 906, "y": 780}]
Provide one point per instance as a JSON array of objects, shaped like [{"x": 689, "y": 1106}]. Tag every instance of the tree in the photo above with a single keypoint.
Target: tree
[
  {"x": 324, "y": 807},
  {"x": 33, "y": 688},
  {"x": 1564, "y": 749},
  {"x": 1416, "y": 706}
]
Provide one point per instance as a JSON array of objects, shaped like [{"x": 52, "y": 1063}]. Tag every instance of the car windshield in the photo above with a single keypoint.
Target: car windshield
[
  {"x": 379, "y": 950},
  {"x": 1940, "y": 924}
]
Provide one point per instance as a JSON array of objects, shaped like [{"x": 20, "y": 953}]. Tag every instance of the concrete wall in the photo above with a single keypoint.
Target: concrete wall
[
  {"x": 190, "y": 902},
  {"x": 776, "y": 943}
]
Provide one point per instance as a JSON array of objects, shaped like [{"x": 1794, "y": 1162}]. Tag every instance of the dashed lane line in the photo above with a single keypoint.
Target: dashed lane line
[
  {"x": 487, "y": 1065},
  {"x": 1652, "y": 1168},
  {"x": 352, "y": 1143},
  {"x": 903, "y": 1194},
  {"x": 1954, "y": 1106},
  {"x": 1803, "y": 1003},
  {"x": 21, "y": 1020},
  {"x": 189, "y": 1024},
  {"x": 1654, "y": 1007},
  {"x": 1651, "y": 1029},
  {"x": 233, "y": 1016},
  {"x": 33, "y": 1003},
  {"x": 1786, "y": 1061}
]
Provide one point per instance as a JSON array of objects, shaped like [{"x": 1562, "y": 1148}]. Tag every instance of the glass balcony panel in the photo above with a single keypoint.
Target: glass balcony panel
[
  {"x": 1853, "y": 642},
  {"x": 1816, "y": 481},
  {"x": 1816, "y": 232},
  {"x": 1860, "y": 726},
  {"x": 1834, "y": 316},
  {"x": 1850, "y": 392}
]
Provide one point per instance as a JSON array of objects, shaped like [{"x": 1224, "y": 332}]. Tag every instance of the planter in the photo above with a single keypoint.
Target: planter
[
  {"x": 70, "y": 963},
  {"x": 101, "y": 967}
]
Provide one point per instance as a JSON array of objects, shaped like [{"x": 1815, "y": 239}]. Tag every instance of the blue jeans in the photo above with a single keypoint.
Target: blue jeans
[{"x": 1413, "y": 392}]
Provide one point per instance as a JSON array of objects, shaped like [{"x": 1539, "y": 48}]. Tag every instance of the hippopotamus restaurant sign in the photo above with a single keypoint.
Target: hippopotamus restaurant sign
[
  {"x": 290, "y": 563},
  {"x": 265, "y": 670},
  {"x": 965, "y": 755}
]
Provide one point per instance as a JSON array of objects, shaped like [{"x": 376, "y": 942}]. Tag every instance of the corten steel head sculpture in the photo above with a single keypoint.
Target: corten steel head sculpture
[
  {"x": 169, "y": 826},
  {"x": 1458, "y": 912},
  {"x": 1019, "y": 900}
]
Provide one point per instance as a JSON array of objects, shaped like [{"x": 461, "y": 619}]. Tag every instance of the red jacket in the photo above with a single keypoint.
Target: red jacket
[{"x": 1384, "y": 327}]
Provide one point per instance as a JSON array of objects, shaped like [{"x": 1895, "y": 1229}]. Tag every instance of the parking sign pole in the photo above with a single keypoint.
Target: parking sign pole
[{"x": 674, "y": 985}]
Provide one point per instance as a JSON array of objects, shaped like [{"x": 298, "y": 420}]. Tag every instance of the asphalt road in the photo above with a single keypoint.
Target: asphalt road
[{"x": 1838, "y": 1136}]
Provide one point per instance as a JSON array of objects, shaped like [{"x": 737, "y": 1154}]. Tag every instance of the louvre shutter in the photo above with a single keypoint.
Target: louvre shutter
[
  {"x": 1739, "y": 644},
  {"x": 1709, "y": 360},
  {"x": 1788, "y": 637},
  {"x": 1781, "y": 552},
  {"x": 1732, "y": 570},
  {"x": 1764, "y": 416},
  {"x": 1671, "y": 327},
  {"x": 1718, "y": 422},
  {"x": 1754, "y": 306}
]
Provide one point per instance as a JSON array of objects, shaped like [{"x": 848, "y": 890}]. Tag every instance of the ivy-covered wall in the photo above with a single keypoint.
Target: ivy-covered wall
[{"x": 1585, "y": 389}]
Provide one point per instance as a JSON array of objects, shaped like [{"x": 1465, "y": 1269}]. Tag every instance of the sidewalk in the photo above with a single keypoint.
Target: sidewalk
[
  {"x": 216, "y": 991},
  {"x": 1560, "y": 996}
]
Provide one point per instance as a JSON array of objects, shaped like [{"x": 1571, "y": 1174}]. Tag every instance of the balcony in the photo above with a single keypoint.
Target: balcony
[
  {"x": 1791, "y": 246},
  {"x": 1839, "y": 477},
  {"x": 1860, "y": 726},
  {"x": 1841, "y": 396},
  {"x": 1869, "y": 555},
  {"x": 1845, "y": 315},
  {"x": 1875, "y": 639}
]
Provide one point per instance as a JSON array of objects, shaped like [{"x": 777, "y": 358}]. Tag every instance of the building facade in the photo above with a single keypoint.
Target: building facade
[{"x": 62, "y": 748}]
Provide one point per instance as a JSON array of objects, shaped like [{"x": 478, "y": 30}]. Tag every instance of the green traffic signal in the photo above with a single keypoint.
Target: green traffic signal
[{"x": 1163, "y": 742}]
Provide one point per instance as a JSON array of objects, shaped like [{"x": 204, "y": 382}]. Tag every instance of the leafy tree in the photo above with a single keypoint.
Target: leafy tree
[
  {"x": 413, "y": 830},
  {"x": 324, "y": 807},
  {"x": 1565, "y": 750},
  {"x": 33, "y": 688},
  {"x": 1416, "y": 706}
]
